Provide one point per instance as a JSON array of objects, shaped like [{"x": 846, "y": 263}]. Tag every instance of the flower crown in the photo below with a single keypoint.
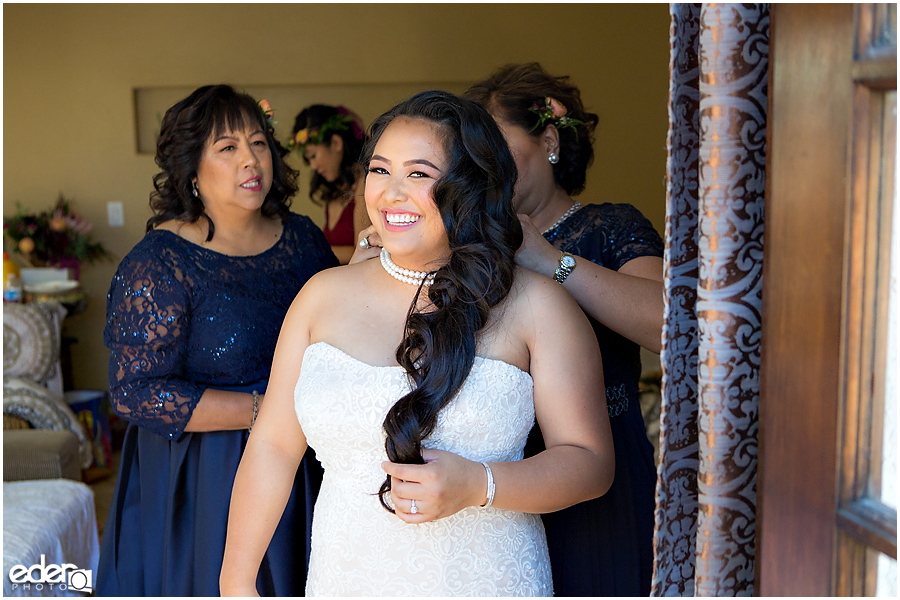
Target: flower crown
[
  {"x": 344, "y": 120},
  {"x": 553, "y": 113},
  {"x": 268, "y": 112}
]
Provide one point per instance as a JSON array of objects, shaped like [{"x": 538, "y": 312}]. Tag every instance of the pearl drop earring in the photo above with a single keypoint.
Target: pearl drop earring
[{"x": 553, "y": 158}]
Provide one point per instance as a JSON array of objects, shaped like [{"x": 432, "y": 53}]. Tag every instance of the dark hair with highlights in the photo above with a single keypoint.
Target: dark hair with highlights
[
  {"x": 186, "y": 129},
  {"x": 513, "y": 89},
  {"x": 474, "y": 197},
  {"x": 322, "y": 191}
]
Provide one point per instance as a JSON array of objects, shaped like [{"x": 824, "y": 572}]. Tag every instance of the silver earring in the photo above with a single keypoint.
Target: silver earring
[
  {"x": 553, "y": 158},
  {"x": 194, "y": 189}
]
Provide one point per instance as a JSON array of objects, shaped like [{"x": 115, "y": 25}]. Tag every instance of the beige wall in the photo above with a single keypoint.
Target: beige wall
[{"x": 70, "y": 72}]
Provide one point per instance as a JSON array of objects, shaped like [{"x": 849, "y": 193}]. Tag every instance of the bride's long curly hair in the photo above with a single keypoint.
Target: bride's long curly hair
[{"x": 474, "y": 198}]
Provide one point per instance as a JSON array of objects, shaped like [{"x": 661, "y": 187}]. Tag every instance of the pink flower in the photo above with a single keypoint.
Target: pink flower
[{"x": 556, "y": 107}]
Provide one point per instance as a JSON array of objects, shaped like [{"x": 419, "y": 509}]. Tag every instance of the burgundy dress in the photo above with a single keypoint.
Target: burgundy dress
[{"x": 342, "y": 234}]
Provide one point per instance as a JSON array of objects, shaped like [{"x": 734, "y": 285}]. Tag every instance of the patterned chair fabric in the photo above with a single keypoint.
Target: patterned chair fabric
[
  {"x": 32, "y": 386},
  {"x": 31, "y": 340}
]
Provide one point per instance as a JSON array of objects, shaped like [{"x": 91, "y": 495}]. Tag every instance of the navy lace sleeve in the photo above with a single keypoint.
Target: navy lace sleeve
[
  {"x": 610, "y": 235},
  {"x": 148, "y": 321}
]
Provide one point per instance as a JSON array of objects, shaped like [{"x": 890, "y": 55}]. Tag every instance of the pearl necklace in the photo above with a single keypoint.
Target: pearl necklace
[
  {"x": 565, "y": 216},
  {"x": 405, "y": 275}
]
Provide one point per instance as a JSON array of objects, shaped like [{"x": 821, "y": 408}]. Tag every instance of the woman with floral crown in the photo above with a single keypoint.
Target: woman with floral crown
[
  {"x": 417, "y": 377},
  {"x": 330, "y": 139},
  {"x": 609, "y": 258},
  {"x": 193, "y": 314}
]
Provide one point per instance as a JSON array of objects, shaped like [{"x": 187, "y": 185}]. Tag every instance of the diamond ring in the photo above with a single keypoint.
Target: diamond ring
[
  {"x": 364, "y": 243},
  {"x": 414, "y": 509}
]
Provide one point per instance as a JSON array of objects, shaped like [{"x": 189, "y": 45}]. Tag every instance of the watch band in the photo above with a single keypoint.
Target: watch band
[{"x": 565, "y": 267}]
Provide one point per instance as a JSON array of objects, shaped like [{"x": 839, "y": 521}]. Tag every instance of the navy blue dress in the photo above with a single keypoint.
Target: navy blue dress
[
  {"x": 603, "y": 547},
  {"x": 180, "y": 319}
]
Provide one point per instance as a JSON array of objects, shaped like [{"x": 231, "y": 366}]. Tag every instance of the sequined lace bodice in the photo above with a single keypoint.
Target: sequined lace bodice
[{"x": 181, "y": 318}]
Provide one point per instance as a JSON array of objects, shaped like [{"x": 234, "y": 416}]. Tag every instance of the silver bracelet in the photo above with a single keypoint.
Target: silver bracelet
[
  {"x": 255, "y": 409},
  {"x": 490, "y": 486}
]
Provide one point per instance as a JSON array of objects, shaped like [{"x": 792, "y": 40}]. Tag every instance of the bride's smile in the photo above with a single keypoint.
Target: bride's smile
[{"x": 407, "y": 163}]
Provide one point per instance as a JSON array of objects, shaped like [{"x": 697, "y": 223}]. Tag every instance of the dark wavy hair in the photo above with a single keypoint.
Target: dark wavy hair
[
  {"x": 186, "y": 129},
  {"x": 474, "y": 197},
  {"x": 512, "y": 89},
  {"x": 321, "y": 190}
]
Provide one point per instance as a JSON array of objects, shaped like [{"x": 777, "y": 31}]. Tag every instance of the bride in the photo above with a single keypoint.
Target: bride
[{"x": 417, "y": 377}]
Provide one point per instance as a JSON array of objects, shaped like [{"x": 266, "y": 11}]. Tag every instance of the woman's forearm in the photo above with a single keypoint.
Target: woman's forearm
[
  {"x": 552, "y": 480},
  {"x": 632, "y": 306},
  {"x": 218, "y": 410},
  {"x": 628, "y": 301}
]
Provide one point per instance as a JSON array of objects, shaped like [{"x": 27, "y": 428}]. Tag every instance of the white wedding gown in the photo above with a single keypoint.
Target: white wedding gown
[{"x": 360, "y": 549}]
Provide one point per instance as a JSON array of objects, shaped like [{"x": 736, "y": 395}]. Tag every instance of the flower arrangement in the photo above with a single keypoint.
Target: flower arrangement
[
  {"x": 56, "y": 237},
  {"x": 343, "y": 121},
  {"x": 553, "y": 113}
]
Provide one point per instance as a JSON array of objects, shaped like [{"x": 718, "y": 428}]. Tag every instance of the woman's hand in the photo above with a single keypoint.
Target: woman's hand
[
  {"x": 360, "y": 254},
  {"x": 444, "y": 485},
  {"x": 536, "y": 253}
]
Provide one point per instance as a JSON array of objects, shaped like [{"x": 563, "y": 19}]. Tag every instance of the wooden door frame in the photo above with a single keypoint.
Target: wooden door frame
[
  {"x": 819, "y": 521},
  {"x": 810, "y": 106}
]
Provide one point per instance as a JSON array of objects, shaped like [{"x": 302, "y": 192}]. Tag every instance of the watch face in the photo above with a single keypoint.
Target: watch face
[{"x": 568, "y": 261}]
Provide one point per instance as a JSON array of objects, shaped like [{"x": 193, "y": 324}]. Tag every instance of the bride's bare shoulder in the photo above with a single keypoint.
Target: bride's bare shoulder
[
  {"x": 340, "y": 282},
  {"x": 539, "y": 296},
  {"x": 330, "y": 297}
]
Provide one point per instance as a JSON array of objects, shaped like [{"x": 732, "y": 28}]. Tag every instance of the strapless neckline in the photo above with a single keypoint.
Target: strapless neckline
[
  {"x": 353, "y": 359},
  {"x": 357, "y": 547}
]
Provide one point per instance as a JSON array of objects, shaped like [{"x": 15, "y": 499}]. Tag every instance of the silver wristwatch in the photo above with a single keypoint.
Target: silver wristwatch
[{"x": 566, "y": 266}]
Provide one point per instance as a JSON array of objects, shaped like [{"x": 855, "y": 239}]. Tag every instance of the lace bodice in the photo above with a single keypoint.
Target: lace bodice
[
  {"x": 181, "y": 318},
  {"x": 361, "y": 549}
]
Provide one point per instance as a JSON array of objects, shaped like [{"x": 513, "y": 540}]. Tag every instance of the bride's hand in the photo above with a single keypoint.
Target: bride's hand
[
  {"x": 374, "y": 242},
  {"x": 444, "y": 485}
]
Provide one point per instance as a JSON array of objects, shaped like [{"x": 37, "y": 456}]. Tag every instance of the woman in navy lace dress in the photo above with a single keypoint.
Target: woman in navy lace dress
[
  {"x": 193, "y": 314},
  {"x": 609, "y": 257}
]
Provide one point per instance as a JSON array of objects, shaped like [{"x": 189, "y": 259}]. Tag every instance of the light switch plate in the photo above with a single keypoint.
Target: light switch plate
[{"x": 115, "y": 214}]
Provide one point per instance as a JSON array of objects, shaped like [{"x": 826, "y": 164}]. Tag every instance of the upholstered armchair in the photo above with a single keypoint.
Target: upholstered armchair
[{"x": 42, "y": 437}]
